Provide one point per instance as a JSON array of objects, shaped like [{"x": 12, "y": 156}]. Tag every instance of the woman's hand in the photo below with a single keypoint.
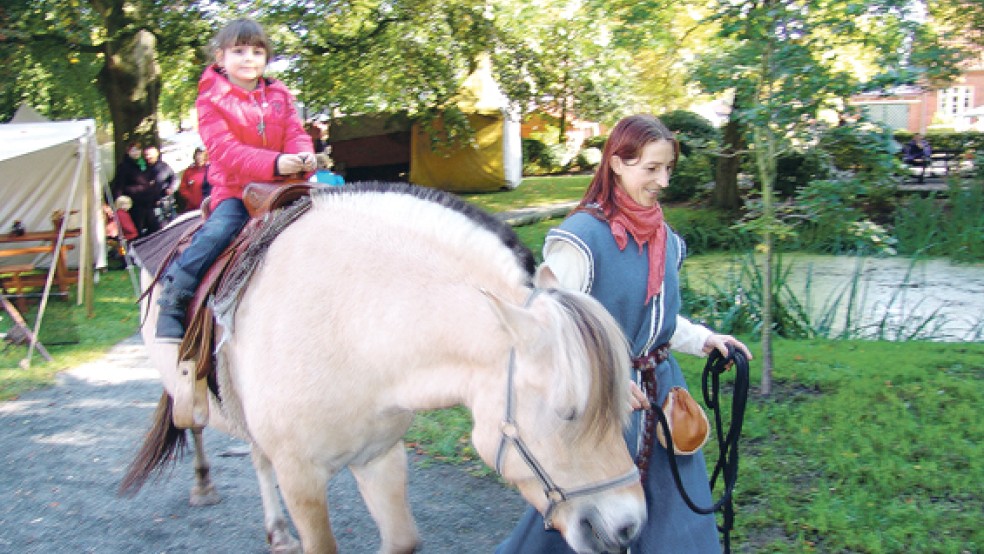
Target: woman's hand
[
  {"x": 637, "y": 398},
  {"x": 721, "y": 342}
]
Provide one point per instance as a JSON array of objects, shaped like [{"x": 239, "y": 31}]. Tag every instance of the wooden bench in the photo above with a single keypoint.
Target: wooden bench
[{"x": 12, "y": 281}]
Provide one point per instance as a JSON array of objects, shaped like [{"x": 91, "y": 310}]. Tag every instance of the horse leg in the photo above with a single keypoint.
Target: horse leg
[
  {"x": 203, "y": 493},
  {"x": 304, "y": 488},
  {"x": 383, "y": 484},
  {"x": 274, "y": 522}
]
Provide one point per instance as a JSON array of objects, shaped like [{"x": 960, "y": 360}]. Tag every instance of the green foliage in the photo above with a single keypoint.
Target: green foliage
[
  {"x": 597, "y": 141},
  {"x": 539, "y": 158},
  {"x": 706, "y": 229},
  {"x": 951, "y": 226},
  {"x": 968, "y": 141},
  {"x": 694, "y": 131},
  {"x": 796, "y": 168},
  {"x": 691, "y": 175}
]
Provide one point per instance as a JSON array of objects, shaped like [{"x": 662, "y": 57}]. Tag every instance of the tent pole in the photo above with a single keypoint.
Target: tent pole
[{"x": 54, "y": 260}]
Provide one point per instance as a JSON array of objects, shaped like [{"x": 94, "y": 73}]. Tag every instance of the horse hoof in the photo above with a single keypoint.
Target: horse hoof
[
  {"x": 204, "y": 496},
  {"x": 282, "y": 542}
]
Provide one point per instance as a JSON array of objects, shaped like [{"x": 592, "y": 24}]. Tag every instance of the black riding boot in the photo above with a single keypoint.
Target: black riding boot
[{"x": 179, "y": 287}]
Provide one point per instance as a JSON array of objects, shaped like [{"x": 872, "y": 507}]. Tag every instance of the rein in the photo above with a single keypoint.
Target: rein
[
  {"x": 727, "y": 463},
  {"x": 555, "y": 494}
]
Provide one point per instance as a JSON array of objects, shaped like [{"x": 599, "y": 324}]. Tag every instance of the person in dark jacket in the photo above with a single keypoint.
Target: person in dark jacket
[
  {"x": 162, "y": 176},
  {"x": 132, "y": 180}
]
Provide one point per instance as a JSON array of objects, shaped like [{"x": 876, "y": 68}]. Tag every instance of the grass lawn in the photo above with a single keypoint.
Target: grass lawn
[
  {"x": 863, "y": 446},
  {"x": 116, "y": 318}
]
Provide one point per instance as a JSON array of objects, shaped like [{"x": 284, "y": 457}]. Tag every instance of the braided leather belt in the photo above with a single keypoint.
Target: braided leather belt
[{"x": 646, "y": 365}]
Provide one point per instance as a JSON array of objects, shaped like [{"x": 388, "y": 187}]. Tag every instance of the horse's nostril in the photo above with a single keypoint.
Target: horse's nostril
[{"x": 626, "y": 534}]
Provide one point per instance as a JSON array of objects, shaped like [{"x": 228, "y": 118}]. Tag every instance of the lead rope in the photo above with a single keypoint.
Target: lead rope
[{"x": 727, "y": 463}]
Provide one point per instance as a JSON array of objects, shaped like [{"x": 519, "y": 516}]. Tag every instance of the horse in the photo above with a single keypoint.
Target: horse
[{"x": 380, "y": 300}]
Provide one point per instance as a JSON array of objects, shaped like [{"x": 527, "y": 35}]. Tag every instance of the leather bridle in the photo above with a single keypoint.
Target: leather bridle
[{"x": 555, "y": 494}]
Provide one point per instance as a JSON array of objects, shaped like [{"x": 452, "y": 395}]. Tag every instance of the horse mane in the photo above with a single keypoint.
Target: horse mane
[
  {"x": 227, "y": 298},
  {"x": 482, "y": 218},
  {"x": 606, "y": 354}
]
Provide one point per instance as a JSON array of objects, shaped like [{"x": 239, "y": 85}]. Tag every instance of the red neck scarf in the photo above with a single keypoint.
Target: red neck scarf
[{"x": 646, "y": 226}]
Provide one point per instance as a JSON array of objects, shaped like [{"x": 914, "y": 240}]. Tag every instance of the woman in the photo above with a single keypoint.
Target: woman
[
  {"x": 194, "y": 185},
  {"x": 617, "y": 247}
]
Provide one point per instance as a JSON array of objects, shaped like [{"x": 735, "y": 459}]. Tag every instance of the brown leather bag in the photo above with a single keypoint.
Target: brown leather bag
[{"x": 688, "y": 422}]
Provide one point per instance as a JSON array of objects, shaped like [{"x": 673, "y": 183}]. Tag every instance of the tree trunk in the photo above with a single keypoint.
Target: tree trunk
[
  {"x": 765, "y": 160},
  {"x": 131, "y": 82},
  {"x": 725, "y": 195}
]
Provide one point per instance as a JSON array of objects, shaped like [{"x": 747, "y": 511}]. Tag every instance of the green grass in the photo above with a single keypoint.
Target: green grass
[
  {"x": 863, "y": 447},
  {"x": 533, "y": 191},
  {"x": 116, "y": 317}
]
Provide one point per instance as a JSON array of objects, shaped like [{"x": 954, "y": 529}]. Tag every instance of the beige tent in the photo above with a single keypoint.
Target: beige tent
[{"x": 47, "y": 166}]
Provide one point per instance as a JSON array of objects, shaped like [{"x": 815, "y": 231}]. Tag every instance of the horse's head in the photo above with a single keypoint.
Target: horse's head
[{"x": 562, "y": 413}]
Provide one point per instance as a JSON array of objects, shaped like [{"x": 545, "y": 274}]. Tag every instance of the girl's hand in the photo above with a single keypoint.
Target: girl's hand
[
  {"x": 309, "y": 161},
  {"x": 290, "y": 164},
  {"x": 721, "y": 342}
]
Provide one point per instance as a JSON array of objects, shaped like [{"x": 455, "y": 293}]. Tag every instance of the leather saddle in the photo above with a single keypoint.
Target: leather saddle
[{"x": 196, "y": 365}]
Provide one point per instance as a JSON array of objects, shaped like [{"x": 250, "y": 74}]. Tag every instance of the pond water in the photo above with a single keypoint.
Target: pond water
[{"x": 895, "y": 298}]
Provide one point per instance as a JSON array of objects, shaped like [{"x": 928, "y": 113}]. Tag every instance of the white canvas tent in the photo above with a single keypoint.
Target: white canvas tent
[{"x": 54, "y": 165}]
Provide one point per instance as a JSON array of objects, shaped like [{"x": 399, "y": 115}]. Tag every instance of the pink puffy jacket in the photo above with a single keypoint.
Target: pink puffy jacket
[{"x": 244, "y": 132}]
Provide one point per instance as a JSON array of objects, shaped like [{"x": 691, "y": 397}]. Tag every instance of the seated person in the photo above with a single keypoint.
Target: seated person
[
  {"x": 325, "y": 175},
  {"x": 126, "y": 225},
  {"x": 916, "y": 153}
]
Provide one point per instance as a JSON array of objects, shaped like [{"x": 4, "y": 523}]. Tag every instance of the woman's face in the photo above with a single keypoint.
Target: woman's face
[{"x": 644, "y": 177}]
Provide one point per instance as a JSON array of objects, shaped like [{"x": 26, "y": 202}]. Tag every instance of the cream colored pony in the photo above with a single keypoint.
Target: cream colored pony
[{"x": 383, "y": 300}]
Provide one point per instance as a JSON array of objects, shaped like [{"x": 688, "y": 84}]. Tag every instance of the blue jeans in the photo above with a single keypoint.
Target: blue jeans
[{"x": 222, "y": 225}]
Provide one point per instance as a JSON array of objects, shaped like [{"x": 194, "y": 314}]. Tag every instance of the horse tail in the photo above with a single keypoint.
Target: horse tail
[{"x": 164, "y": 443}]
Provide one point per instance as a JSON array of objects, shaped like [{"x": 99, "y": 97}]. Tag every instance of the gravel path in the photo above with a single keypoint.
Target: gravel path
[{"x": 64, "y": 449}]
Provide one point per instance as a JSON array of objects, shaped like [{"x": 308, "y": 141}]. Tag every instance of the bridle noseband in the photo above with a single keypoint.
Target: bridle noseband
[{"x": 511, "y": 436}]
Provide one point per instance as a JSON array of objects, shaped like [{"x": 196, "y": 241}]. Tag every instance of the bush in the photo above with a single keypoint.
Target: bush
[
  {"x": 689, "y": 176},
  {"x": 538, "y": 158},
  {"x": 707, "y": 230},
  {"x": 795, "y": 170},
  {"x": 586, "y": 160},
  {"x": 694, "y": 131},
  {"x": 597, "y": 141},
  {"x": 968, "y": 141}
]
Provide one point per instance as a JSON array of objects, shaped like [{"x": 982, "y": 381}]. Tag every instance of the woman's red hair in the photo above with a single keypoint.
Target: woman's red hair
[{"x": 626, "y": 141}]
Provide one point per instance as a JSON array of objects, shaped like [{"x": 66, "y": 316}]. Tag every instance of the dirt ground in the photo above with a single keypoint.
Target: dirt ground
[{"x": 64, "y": 449}]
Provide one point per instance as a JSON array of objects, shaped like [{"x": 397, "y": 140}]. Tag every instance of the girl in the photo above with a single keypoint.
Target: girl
[
  {"x": 617, "y": 247},
  {"x": 252, "y": 133}
]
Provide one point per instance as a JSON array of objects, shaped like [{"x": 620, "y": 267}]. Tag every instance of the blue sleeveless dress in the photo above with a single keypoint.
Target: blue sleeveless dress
[{"x": 617, "y": 278}]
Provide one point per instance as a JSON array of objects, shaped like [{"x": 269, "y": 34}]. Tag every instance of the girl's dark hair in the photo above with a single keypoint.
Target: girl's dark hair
[
  {"x": 626, "y": 141},
  {"x": 242, "y": 32}
]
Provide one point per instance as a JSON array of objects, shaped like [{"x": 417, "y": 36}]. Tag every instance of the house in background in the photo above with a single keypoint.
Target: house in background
[{"x": 918, "y": 109}]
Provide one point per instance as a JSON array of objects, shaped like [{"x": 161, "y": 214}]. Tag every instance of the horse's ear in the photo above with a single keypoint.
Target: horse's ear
[
  {"x": 517, "y": 321},
  {"x": 545, "y": 278}
]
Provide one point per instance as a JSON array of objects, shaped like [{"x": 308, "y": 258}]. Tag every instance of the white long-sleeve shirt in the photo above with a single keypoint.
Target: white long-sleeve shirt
[{"x": 570, "y": 266}]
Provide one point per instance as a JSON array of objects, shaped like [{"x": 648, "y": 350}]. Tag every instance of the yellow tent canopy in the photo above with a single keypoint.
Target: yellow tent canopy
[{"x": 493, "y": 161}]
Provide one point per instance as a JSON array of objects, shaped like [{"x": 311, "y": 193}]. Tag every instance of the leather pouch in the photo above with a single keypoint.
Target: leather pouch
[{"x": 688, "y": 423}]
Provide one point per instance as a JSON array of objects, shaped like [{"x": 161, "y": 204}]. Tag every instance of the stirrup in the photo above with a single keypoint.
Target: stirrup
[{"x": 190, "y": 396}]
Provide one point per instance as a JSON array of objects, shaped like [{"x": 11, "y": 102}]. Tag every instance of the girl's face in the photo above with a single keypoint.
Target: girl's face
[
  {"x": 644, "y": 177},
  {"x": 244, "y": 64}
]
